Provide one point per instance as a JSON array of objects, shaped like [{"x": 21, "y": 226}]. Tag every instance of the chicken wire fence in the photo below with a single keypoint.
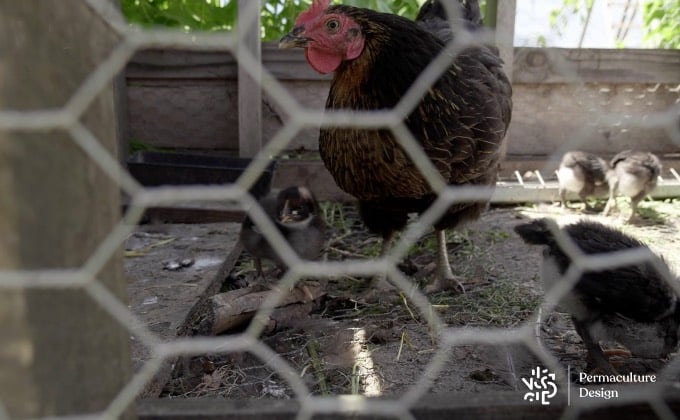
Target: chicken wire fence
[{"x": 447, "y": 338}]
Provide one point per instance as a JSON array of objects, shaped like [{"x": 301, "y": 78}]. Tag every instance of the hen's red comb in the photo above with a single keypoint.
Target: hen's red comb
[{"x": 317, "y": 7}]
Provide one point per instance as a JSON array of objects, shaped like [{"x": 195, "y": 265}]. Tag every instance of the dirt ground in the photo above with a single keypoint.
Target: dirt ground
[{"x": 349, "y": 347}]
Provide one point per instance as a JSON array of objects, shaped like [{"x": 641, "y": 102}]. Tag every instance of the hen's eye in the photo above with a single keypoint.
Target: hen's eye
[{"x": 332, "y": 25}]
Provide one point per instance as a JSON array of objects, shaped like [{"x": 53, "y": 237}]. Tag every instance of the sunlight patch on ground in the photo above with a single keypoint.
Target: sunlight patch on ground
[{"x": 364, "y": 369}]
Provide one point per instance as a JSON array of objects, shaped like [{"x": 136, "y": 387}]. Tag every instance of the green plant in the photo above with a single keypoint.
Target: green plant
[
  {"x": 138, "y": 145},
  {"x": 277, "y": 16},
  {"x": 662, "y": 19},
  {"x": 201, "y": 15}
]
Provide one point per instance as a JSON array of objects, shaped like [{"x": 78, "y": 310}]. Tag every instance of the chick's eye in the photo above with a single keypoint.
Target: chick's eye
[{"x": 333, "y": 25}]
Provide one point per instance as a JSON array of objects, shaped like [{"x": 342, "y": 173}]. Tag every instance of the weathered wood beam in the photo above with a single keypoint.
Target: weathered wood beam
[
  {"x": 531, "y": 65},
  {"x": 314, "y": 175},
  {"x": 62, "y": 354},
  {"x": 505, "y": 32},
  {"x": 249, "y": 90},
  {"x": 505, "y": 405}
]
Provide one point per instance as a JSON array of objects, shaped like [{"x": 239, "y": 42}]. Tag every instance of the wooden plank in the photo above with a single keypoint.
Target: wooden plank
[
  {"x": 596, "y": 117},
  {"x": 535, "y": 192},
  {"x": 189, "y": 215},
  {"x": 497, "y": 405},
  {"x": 185, "y": 115},
  {"x": 194, "y": 321},
  {"x": 171, "y": 107},
  {"x": 165, "y": 301},
  {"x": 190, "y": 64},
  {"x": 530, "y": 65},
  {"x": 314, "y": 175},
  {"x": 122, "y": 120},
  {"x": 113, "y": 16},
  {"x": 163, "y": 64},
  {"x": 290, "y": 64},
  {"x": 249, "y": 90},
  {"x": 562, "y": 65},
  {"x": 548, "y": 164}
]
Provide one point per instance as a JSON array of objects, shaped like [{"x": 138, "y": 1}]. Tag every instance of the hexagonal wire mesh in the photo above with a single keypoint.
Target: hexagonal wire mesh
[{"x": 445, "y": 337}]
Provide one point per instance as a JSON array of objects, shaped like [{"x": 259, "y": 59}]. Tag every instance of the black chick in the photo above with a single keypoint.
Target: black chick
[
  {"x": 630, "y": 304},
  {"x": 584, "y": 174},
  {"x": 298, "y": 217},
  {"x": 633, "y": 174}
]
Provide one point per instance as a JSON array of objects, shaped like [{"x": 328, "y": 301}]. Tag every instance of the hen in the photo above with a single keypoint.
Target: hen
[
  {"x": 634, "y": 174},
  {"x": 296, "y": 214},
  {"x": 584, "y": 174},
  {"x": 460, "y": 122},
  {"x": 631, "y": 304}
]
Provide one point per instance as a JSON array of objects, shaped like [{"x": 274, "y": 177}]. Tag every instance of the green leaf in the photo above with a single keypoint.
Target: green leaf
[
  {"x": 277, "y": 16},
  {"x": 662, "y": 23}
]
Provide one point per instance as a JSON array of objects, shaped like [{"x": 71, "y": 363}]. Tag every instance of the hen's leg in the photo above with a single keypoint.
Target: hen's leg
[
  {"x": 444, "y": 278},
  {"x": 380, "y": 282},
  {"x": 385, "y": 222},
  {"x": 380, "y": 287}
]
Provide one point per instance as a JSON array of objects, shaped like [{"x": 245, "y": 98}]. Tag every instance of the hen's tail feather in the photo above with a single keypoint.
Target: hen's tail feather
[
  {"x": 435, "y": 10},
  {"x": 536, "y": 232}
]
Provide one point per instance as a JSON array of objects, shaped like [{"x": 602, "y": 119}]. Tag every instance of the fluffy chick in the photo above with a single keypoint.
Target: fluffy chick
[
  {"x": 633, "y": 174},
  {"x": 584, "y": 174},
  {"x": 297, "y": 215},
  {"x": 630, "y": 304}
]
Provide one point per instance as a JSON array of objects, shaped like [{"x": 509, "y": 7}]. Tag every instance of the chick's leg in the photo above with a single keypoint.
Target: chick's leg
[
  {"x": 586, "y": 206},
  {"x": 634, "y": 201},
  {"x": 595, "y": 353},
  {"x": 444, "y": 278},
  {"x": 611, "y": 203},
  {"x": 563, "y": 198},
  {"x": 258, "y": 267}
]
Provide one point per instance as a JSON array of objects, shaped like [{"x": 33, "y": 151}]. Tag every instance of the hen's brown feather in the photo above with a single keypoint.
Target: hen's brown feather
[{"x": 460, "y": 122}]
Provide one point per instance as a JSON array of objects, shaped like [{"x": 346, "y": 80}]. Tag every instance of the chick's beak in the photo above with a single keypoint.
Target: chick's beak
[
  {"x": 294, "y": 39},
  {"x": 285, "y": 216}
]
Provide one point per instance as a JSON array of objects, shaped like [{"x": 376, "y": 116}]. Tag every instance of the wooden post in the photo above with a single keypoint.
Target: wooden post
[
  {"x": 501, "y": 16},
  {"x": 505, "y": 32},
  {"x": 122, "y": 120},
  {"x": 249, "y": 91},
  {"x": 61, "y": 353},
  {"x": 490, "y": 13}
]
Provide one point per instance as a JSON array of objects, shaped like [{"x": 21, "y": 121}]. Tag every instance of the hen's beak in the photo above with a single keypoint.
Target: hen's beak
[{"x": 293, "y": 39}]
